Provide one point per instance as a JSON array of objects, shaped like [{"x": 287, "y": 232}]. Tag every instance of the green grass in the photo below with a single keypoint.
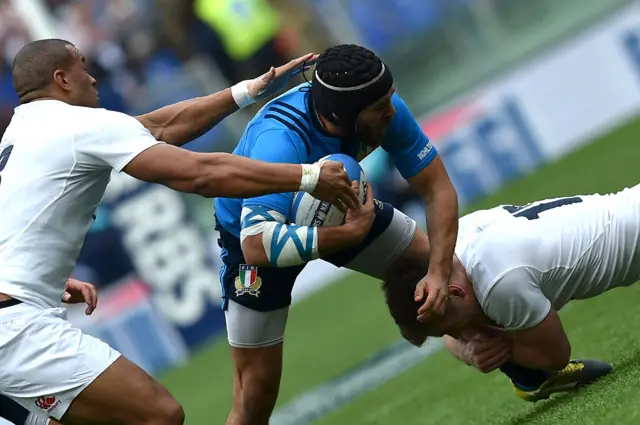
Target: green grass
[{"x": 321, "y": 345}]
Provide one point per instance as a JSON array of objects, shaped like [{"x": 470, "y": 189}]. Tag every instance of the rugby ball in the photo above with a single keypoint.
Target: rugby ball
[{"x": 309, "y": 211}]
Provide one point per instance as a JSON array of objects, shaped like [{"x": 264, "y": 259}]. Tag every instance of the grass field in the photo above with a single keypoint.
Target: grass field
[{"x": 320, "y": 346}]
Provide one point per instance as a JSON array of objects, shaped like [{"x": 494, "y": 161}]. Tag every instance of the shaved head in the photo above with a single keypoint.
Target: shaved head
[
  {"x": 54, "y": 69},
  {"x": 35, "y": 64}
]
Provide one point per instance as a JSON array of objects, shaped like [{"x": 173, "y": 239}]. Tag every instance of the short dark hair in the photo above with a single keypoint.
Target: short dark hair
[
  {"x": 35, "y": 64},
  {"x": 399, "y": 289},
  {"x": 347, "y": 79}
]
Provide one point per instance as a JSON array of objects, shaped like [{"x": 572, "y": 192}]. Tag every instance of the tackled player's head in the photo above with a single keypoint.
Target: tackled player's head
[
  {"x": 352, "y": 89},
  {"x": 53, "y": 69},
  {"x": 462, "y": 314}
]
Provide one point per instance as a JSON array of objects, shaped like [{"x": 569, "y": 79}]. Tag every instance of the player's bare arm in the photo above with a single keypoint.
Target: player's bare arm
[
  {"x": 441, "y": 203},
  {"x": 545, "y": 346},
  {"x": 185, "y": 121},
  {"x": 256, "y": 247},
  {"x": 220, "y": 174}
]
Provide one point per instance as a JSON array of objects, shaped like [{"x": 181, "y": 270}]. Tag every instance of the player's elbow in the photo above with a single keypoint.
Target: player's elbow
[{"x": 253, "y": 251}]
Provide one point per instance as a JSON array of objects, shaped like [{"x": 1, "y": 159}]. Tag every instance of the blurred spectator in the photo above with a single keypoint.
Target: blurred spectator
[
  {"x": 244, "y": 37},
  {"x": 13, "y": 35}
]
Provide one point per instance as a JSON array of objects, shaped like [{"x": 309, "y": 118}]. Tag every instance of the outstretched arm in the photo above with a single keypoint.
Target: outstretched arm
[
  {"x": 418, "y": 161},
  {"x": 123, "y": 144},
  {"x": 441, "y": 203},
  {"x": 220, "y": 174},
  {"x": 185, "y": 121}
]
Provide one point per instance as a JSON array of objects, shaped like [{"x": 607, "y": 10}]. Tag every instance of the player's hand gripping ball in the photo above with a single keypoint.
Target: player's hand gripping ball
[{"x": 309, "y": 211}]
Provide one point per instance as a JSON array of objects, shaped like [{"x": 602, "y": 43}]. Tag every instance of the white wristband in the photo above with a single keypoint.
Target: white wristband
[
  {"x": 240, "y": 93},
  {"x": 310, "y": 177}
]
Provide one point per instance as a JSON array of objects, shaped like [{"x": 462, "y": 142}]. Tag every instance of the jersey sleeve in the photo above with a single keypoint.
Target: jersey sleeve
[
  {"x": 278, "y": 146},
  {"x": 114, "y": 141},
  {"x": 406, "y": 143},
  {"x": 515, "y": 301}
]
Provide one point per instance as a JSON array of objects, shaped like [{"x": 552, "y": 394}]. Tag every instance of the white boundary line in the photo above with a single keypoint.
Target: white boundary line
[{"x": 367, "y": 376}]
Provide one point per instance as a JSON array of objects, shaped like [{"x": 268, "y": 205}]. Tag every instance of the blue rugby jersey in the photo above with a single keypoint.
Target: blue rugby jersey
[{"x": 286, "y": 130}]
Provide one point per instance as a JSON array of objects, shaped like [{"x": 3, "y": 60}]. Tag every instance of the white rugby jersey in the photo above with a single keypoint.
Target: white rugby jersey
[
  {"x": 55, "y": 163},
  {"x": 523, "y": 260}
]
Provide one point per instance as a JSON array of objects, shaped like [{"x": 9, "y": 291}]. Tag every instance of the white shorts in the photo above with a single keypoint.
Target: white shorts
[{"x": 44, "y": 361}]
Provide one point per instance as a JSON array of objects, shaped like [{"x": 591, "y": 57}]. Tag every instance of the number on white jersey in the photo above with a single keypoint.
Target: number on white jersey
[
  {"x": 4, "y": 157},
  {"x": 530, "y": 212}
]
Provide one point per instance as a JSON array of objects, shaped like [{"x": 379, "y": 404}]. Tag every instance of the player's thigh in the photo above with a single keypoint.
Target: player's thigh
[
  {"x": 256, "y": 303},
  {"x": 48, "y": 366},
  {"x": 123, "y": 394},
  {"x": 256, "y": 343},
  {"x": 391, "y": 235}
]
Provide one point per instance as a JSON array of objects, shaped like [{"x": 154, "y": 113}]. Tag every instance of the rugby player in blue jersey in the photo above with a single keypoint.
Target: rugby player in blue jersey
[{"x": 350, "y": 107}]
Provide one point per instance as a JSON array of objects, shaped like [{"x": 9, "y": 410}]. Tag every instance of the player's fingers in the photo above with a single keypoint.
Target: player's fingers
[
  {"x": 494, "y": 362},
  {"x": 487, "y": 349},
  {"x": 93, "y": 294},
  {"x": 304, "y": 67},
  {"x": 419, "y": 292},
  {"x": 339, "y": 204},
  {"x": 309, "y": 64},
  {"x": 351, "y": 198},
  {"x": 432, "y": 297},
  {"x": 440, "y": 303},
  {"x": 294, "y": 66},
  {"x": 90, "y": 299},
  {"x": 66, "y": 297},
  {"x": 268, "y": 76},
  {"x": 340, "y": 168},
  {"x": 295, "y": 63},
  {"x": 86, "y": 294},
  {"x": 369, "y": 200},
  {"x": 426, "y": 310}
]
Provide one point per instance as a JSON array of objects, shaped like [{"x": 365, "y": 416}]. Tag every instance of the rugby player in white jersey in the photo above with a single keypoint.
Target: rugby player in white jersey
[
  {"x": 515, "y": 267},
  {"x": 56, "y": 158}
]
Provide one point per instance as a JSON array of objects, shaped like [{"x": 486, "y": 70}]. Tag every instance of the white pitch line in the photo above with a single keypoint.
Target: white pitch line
[{"x": 371, "y": 374}]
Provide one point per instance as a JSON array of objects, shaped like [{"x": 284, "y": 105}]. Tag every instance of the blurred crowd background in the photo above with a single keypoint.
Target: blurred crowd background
[{"x": 149, "y": 53}]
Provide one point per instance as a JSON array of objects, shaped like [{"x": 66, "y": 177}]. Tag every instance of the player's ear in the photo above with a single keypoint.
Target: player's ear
[
  {"x": 456, "y": 291},
  {"x": 60, "y": 78}
]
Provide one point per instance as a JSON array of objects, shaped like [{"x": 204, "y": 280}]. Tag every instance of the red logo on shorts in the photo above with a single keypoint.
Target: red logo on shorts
[{"x": 45, "y": 403}]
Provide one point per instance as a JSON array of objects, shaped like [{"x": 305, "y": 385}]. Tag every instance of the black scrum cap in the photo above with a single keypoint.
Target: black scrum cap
[{"x": 348, "y": 78}]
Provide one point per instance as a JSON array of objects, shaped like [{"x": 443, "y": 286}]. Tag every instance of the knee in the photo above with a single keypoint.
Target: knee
[
  {"x": 168, "y": 412},
  {"x": 174, "y": 413}
]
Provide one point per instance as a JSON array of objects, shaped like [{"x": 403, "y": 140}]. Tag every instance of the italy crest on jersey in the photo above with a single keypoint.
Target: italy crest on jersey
[{"x": 248, "y": 281}]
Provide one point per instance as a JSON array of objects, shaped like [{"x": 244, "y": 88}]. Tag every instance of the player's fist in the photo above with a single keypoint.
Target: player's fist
[
  {"x": 76, "y": 292},
  {"x": 276, "y": 79},
  {"x": 486, "y": 353},
  {"x": 360, "y": 219},
  {"x": 334, "y": 186}
]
